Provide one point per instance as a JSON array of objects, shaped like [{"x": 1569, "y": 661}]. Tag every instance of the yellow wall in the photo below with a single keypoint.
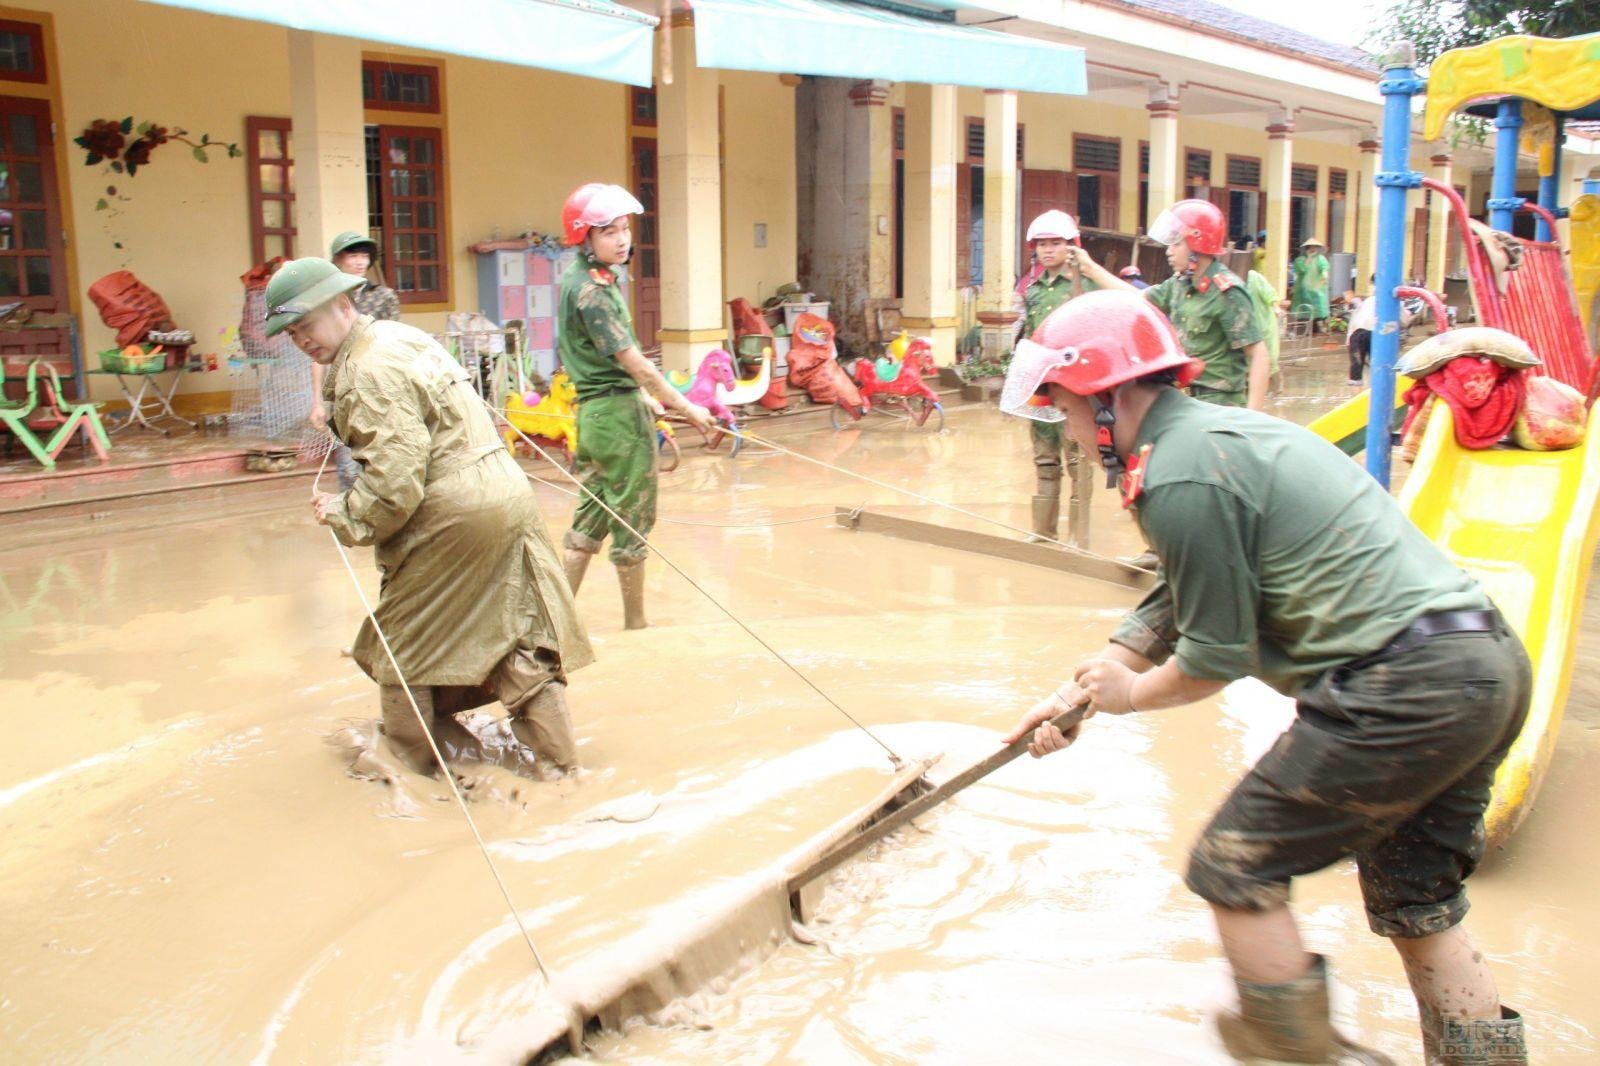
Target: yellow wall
[
  {"x": 758, "y": 175},
  {"x": 185, "y": 228}
]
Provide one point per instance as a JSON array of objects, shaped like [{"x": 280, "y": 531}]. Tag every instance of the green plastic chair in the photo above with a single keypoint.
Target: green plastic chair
[{"x": 57, "y": 414}]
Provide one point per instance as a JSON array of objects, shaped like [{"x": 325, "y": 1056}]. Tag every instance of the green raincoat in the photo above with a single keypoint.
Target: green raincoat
[
  {"x": 1311, "y": 285},
  {"x": 466, "y": 563}
]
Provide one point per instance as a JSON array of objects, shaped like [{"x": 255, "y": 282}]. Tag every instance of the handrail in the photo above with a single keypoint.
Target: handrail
[
  {"x": 1483, "y": 285},
  {"x": 1441, "y": 317},
  {"x": 1543, "y": 212}
]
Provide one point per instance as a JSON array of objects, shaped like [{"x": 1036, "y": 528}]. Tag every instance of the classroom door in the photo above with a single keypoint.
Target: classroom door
[
  {"x": 645, "y": 267},
  {"x": 32, "y": 259}
]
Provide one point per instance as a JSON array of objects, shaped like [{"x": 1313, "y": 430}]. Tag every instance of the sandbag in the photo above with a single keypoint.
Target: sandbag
[
  {"x": 129, "y": 306},
  {"x": 813, "y": 366},
  {"x": 1552, "y": 418}
]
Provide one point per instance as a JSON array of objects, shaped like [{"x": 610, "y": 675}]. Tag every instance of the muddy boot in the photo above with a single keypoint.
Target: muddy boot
[
  {"x": 1046, "y": 519},
  {"x": 576, "y": 564},
  {"x": 403, "y": 733},
  {"x": 1078, "y": 518},
  {"x": 542, "y": 724},
  {"x": 1289, "y": 1023},
  {"x": 631, "y": 578},
  {"x": 1145, "y": 560},
  {"x": 1473, "y": 1042}
]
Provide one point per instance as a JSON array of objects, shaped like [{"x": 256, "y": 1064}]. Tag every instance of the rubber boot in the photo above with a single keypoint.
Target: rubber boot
[
  {"x": 1289, "y": 1023},
  {"x": 1145, "y": 560},
  {"x": 1078, "y": 513},
  {"x": 1477, "y": 1042},
  {"x": 631, "y": 578},
  {"x": 1046, "y": 519},
  {"x": 408, "y": 741},
  {"x": 542, "y": 724},
  {"x": 576, "y": 564}
]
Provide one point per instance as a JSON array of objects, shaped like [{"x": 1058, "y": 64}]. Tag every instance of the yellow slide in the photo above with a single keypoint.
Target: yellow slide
[
  {"x": 1346, "y": 425},
  {"x": 1524, "y": 524}
]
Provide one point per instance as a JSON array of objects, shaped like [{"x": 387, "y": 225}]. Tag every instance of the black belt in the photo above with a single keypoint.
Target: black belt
[{"x": 1425, "y": 628}]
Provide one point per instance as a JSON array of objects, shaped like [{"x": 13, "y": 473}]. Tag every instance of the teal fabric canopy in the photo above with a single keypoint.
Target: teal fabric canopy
[
  {"x": 840, "y": 39},
  {"x": 593, "y": 38}
]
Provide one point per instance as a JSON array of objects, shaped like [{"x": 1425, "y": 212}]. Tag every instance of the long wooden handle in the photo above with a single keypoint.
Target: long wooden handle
[{"x": 926, "y": 802}]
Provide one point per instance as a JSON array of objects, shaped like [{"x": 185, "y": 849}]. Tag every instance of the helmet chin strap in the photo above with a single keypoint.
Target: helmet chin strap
[{"x": 1105, "y": 424}]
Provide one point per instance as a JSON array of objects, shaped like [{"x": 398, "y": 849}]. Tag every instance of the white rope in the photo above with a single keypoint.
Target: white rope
[
  {"x": 894, "y": 756},
  {"x": 449, "y": 777}
]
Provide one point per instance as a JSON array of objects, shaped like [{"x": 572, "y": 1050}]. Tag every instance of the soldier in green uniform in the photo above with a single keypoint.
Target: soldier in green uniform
[
  {"x": 471, "y": 598},
  {"x": 616, "y": 426},
  {"x": 1209, "y": 304},
  {"x": 1280, "y": 559},
  {"x": 1052, "y": 283}
]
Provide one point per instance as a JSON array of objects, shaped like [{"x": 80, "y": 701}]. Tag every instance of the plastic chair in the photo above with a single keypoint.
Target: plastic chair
[
  {"x": 56, "y": 412},
  {"x": 22, "y": 417}
]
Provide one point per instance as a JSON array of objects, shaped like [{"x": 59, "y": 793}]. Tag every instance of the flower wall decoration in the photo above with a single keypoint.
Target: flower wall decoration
[{"x": 125, "y": 148}]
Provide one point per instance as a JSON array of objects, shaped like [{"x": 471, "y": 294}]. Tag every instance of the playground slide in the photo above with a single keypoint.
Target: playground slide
[
  {"x": 1524, "y": 524},
  {"x": 1346, "y": 425}
]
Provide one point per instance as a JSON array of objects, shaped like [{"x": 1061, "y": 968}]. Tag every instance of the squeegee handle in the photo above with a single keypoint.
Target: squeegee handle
[{"x": 1064, "y": 721}]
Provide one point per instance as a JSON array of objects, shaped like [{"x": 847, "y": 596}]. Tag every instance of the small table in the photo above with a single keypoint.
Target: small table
[{"x": 149, "y": 397}]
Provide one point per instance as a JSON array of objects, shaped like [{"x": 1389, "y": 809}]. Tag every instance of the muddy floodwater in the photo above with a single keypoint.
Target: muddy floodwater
[{"x": 190, "y": 874}]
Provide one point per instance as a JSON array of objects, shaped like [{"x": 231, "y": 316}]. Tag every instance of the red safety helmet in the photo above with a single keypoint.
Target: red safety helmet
[
  {"x": 1107, "y": 337},
  {"x": 1199, "y": 222},
  {"x": 1129, "y": 272},
  {"x": 595, "y": 204}
]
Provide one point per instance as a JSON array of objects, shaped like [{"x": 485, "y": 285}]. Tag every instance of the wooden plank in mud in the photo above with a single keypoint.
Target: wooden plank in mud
[{"x": 1083, "y": 564}]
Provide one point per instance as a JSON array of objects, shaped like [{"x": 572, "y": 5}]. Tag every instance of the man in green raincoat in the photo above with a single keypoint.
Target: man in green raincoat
[
  {"x": 472, "y": 600},
  {"x": 1310, "y": 296},
  {"x": 616, "y": 425}
]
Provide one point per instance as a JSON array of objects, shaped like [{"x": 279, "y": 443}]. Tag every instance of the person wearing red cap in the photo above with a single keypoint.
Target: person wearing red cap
[
  {"x": 616, "y": 425},
  {"x": 1209, "y": 304},
  {"x": 1051, "y": 283},
  {"x": 1282, "y": 560},
  {"x": 1133, "y": 276}
]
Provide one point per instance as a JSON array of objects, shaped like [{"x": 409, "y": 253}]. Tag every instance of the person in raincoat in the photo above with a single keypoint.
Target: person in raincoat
[
  {"x": 471, "y": 598},
  {"x": 352, "y": 253},
  {"x": 1310, "y": 296},
  {"x": 616, "y": 425}
]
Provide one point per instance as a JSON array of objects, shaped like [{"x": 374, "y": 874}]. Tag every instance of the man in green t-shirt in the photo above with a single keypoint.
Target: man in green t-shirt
[
  {"x": 616, "y": 427},
  {"x": 1052, "y": 283},
  {"x": 1280, "y": 559}
]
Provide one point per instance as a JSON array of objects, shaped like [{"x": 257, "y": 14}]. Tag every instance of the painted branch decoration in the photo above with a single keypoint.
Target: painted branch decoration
[{"x": 124, "y": 147}]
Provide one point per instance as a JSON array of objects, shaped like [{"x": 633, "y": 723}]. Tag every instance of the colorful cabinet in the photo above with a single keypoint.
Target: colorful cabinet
[{"x": 521, "y": 283}]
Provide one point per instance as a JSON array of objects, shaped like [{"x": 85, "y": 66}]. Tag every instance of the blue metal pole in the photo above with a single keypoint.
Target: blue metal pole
[
  {"x": 1549, "y": 184},
  {"x": 1503, "y": 198},
  {"x": 1398, "y": 85}
]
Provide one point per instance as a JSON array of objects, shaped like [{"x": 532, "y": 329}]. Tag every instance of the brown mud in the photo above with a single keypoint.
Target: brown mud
[{"x": 191, "y": 874}]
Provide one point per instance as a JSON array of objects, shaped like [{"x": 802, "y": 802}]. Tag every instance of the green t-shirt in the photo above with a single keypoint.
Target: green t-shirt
[
  {"x": 1046, "y": 293},
  {"x": 1215, "y": 319},
  {"x": 1280, "y": 558},
  {"x": 593, "y": 326}
]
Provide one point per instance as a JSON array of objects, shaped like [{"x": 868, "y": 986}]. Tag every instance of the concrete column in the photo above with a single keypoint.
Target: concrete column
[
  {"x": 1438, "y": 224},
  {"x": 995, "y": 312},
  {"x": 330, "y": 146},
  {"x": 1166, "y": 165},
  {"x": 930, "y": 242},
  {"x": 1280, "y": 164},
  {"x": 690, "y": 216},
  {"x": 1366, "y": 210},
  {"x": 1569, "y": 186}
]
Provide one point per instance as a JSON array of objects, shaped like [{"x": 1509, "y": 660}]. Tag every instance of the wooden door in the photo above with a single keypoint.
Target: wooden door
[
  {"x": 1419, "y": 244},
  {"x": 32, "y": 259},
  {"x": 645, "y": 267}
]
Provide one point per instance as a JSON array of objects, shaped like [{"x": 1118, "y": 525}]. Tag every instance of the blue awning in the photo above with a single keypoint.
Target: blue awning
[
  {"x": 845, "y": 40},
  {"x": 593, "y": 38}
]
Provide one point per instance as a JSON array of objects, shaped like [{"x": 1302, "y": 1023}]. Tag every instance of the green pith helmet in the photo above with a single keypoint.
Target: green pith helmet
[
  {"x": 303, "y": 285},
  {"x": 350, "y": 240}
]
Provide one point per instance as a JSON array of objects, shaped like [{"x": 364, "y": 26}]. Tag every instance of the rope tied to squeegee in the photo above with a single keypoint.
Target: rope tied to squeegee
[
  {"x": 427, "y": 731},
  {"x": 894, "y": 757}
]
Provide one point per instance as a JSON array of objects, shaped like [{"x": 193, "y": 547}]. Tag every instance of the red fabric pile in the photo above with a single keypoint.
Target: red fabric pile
[
  {"x": 813, "y": 367},
  {"x": 129, "y": 306},
  {"x": 1484, "y": 398}
]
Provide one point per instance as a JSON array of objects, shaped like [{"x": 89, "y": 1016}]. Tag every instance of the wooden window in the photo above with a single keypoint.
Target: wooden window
[
  {"x": 1144, "y": 159},
  {"x": 1196, "y": 166},
  {"x": 1338, "y": 181},
  {"x": 1144, "y": 186},
  {"x": 975, "y": 141},
  {"x": 1303, "y": 179},
  {"x": 1096, "y": 165},
  {"x": 642, "y": 106},
  {"x": 1096, "y": 153},
  {"x": 269, "y": 171},
  {"x": 21, "y": 51},
  {"x": 405, "y": 209},
  {"x": 1021, "y": 135},
  {"x": 898, "y": 251},
  {"x": 32, "y": 261},
  {"x": 899, "y": 129},
  {"x": 389, "y": 86},
  {"x": 1244, "y": 172}
]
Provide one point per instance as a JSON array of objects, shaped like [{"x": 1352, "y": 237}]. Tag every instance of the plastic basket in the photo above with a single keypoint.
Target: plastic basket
[{"x": 116, "y": 361}]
